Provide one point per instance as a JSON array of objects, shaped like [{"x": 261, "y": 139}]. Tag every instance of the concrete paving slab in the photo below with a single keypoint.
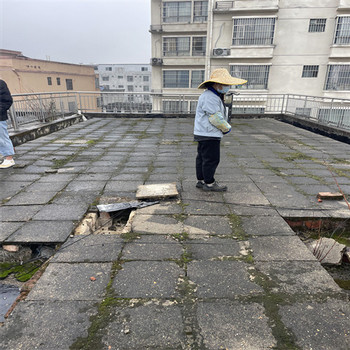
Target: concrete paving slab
[
  {"x": 163, "y": 190},
  {"x": 68, "y": 281},
  {"x": 207, "y": 225},
  {"x": 160, "y": 224},
  {"x": 228, "y": 324},
  {"x": 147, "y": 279},
  {"x": 42, "y": 232},
  {"x": 90, "y": 248},
  {"x": 323, "y": 326},
  {"x": 222, "y": 279},
  {"x": 252, "y": 210},
  {"x": 149, "y": 247},
  {"x": 148, "y": 326},
  {"x": 18, "y": 213},
  {"x": 205, "y": 208},
  {"x": 245, "y": 194},
  {"x": 8, "y": 228},
  {"x": 280, "y": 248},
  {"x": 56, "y": 212},
  {"x": 213, "y": 248},
  {"x": 31, "y": 198},
  {"x": 298, "y": 277},
  {"x": 164, "y": 207},
  {"x": 46, "y": 325},
  {"x": 266, "y": 226},
  {"x": 121, "y": 186}
]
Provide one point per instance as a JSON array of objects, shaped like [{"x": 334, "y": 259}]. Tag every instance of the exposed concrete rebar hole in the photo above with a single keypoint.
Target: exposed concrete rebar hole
[{"x": 329, "y": 241}]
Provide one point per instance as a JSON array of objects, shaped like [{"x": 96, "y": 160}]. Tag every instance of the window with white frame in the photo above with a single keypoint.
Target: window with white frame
[
  {"x": 199, "y": 45},
  {"x": 105, "y": 78},
  {"x": 176, "y": 78},
  {"x": 177, "y": 11},
  {"x": 197, "y": 77},
  {"x": 130, "y": 78},
  {"x": 317, "y": 25},
  {"x": 130, "y": 88},
  {"x": 200, "y": 11},
  {"x": 342, "y": 33},
  {"x": 177, "y": 46},
  {"x": 253, "y": 31},
  {"x": 338, "y": 77},
  {"x": 310, "y": 71},
  {"x": 257, "y": 76}
]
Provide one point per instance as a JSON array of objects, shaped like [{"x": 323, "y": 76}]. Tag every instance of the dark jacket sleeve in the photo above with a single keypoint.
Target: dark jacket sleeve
[{"x": 5, "y": 100}]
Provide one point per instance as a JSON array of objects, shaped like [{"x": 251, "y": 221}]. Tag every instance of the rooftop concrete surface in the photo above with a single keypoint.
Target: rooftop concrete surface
[{"x": 204, "y": 271}]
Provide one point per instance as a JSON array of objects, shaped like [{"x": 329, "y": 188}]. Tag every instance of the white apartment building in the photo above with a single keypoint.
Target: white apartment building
[
  {"x": 124, "y": 77},
  {"x": 279, "y": 46},
  {"x": 128, "y": 85}
]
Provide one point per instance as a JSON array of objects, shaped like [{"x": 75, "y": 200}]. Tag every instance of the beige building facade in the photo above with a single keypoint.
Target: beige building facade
[
  {"x": 279, "y": 46},
  {"x": 27, "y": 75}
]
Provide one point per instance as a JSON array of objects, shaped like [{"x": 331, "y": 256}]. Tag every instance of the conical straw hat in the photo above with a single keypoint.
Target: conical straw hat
[{"x": 222, "y": 76}]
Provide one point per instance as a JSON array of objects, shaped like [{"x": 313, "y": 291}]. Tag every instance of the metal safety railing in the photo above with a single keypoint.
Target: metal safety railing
[{"x": 47, "y": 107}]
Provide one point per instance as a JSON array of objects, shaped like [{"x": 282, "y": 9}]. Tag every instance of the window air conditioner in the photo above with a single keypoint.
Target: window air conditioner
[
  {"x": 221, "y": 52},
  {"x": 156, "y": 61}
]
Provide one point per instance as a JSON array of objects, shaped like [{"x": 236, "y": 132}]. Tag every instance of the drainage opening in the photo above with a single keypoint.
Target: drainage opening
[{"x": 329, "y": 241}]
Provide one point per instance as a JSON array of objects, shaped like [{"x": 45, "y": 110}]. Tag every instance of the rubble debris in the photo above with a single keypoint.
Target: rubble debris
[{"x": 327, "y": 250}]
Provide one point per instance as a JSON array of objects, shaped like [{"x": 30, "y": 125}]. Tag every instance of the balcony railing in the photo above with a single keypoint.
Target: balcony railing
[{"x": 47, "y": 107}]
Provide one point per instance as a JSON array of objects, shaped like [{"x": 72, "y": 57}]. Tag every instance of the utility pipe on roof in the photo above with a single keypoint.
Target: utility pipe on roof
[{"x": 209, "y": 38}]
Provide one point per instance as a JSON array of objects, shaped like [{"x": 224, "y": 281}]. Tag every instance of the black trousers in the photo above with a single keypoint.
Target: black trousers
[{"x": 207, "y": 160}]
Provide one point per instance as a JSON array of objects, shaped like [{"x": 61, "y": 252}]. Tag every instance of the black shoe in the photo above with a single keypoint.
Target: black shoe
[
  {"x": 200, "y": 184},
  {"x": 215, "y": 187}
]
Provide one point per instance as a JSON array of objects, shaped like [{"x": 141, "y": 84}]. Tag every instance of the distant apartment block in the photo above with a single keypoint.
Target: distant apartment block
[
  {"x": 28, "y": 75},
  {"x": 131, "y": 84},
  {"x": 279, "y": 46}
]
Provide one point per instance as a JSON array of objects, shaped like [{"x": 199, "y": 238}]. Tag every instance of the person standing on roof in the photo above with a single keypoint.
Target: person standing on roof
[
  {"x": 6, "y": 147},
  {"x": 210, "y": 125}
]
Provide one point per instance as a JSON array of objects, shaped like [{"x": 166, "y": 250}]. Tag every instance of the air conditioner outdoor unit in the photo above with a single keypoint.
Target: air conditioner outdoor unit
[
  {"x": 156, "y": 61},
  {"x": 221, "y": 52}
]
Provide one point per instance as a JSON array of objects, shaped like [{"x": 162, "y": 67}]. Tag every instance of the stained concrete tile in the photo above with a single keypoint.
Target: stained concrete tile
[
  {"x": 90, "y": 248},
  {"x": 31, "y": 198},
  {"x": 8, "y": 228},
  {"x": 298, "y": 277},
  {"x": 63, "y": 281},
  {"x": 213, "y": 248},
  {"x": 57, "y": 212},
  {"x": 164, "y": 207},
  {"x": 221, "y": 279},
  {"x": 152, "y": 248},
  {"x": 147, "y": 279},
  {"x": 266, "y": 226},
  {"x": 323, "y": 326},
  {"x": 228, "y": 324},
  {"x": 205, "y": 208},
  {"x": 18, "y": 213},
  {"x": 85, "y": 186},
  {"x": 280, "y": 248},
  {"x": 146, "y": 327},
  {"x": 160, "y": 224},
  {"x": 245, "y": 194},
  {"x": 46, "y": 325},
  {"x": 207, "y": 225},
  {"x": 42, "y": 232}
]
